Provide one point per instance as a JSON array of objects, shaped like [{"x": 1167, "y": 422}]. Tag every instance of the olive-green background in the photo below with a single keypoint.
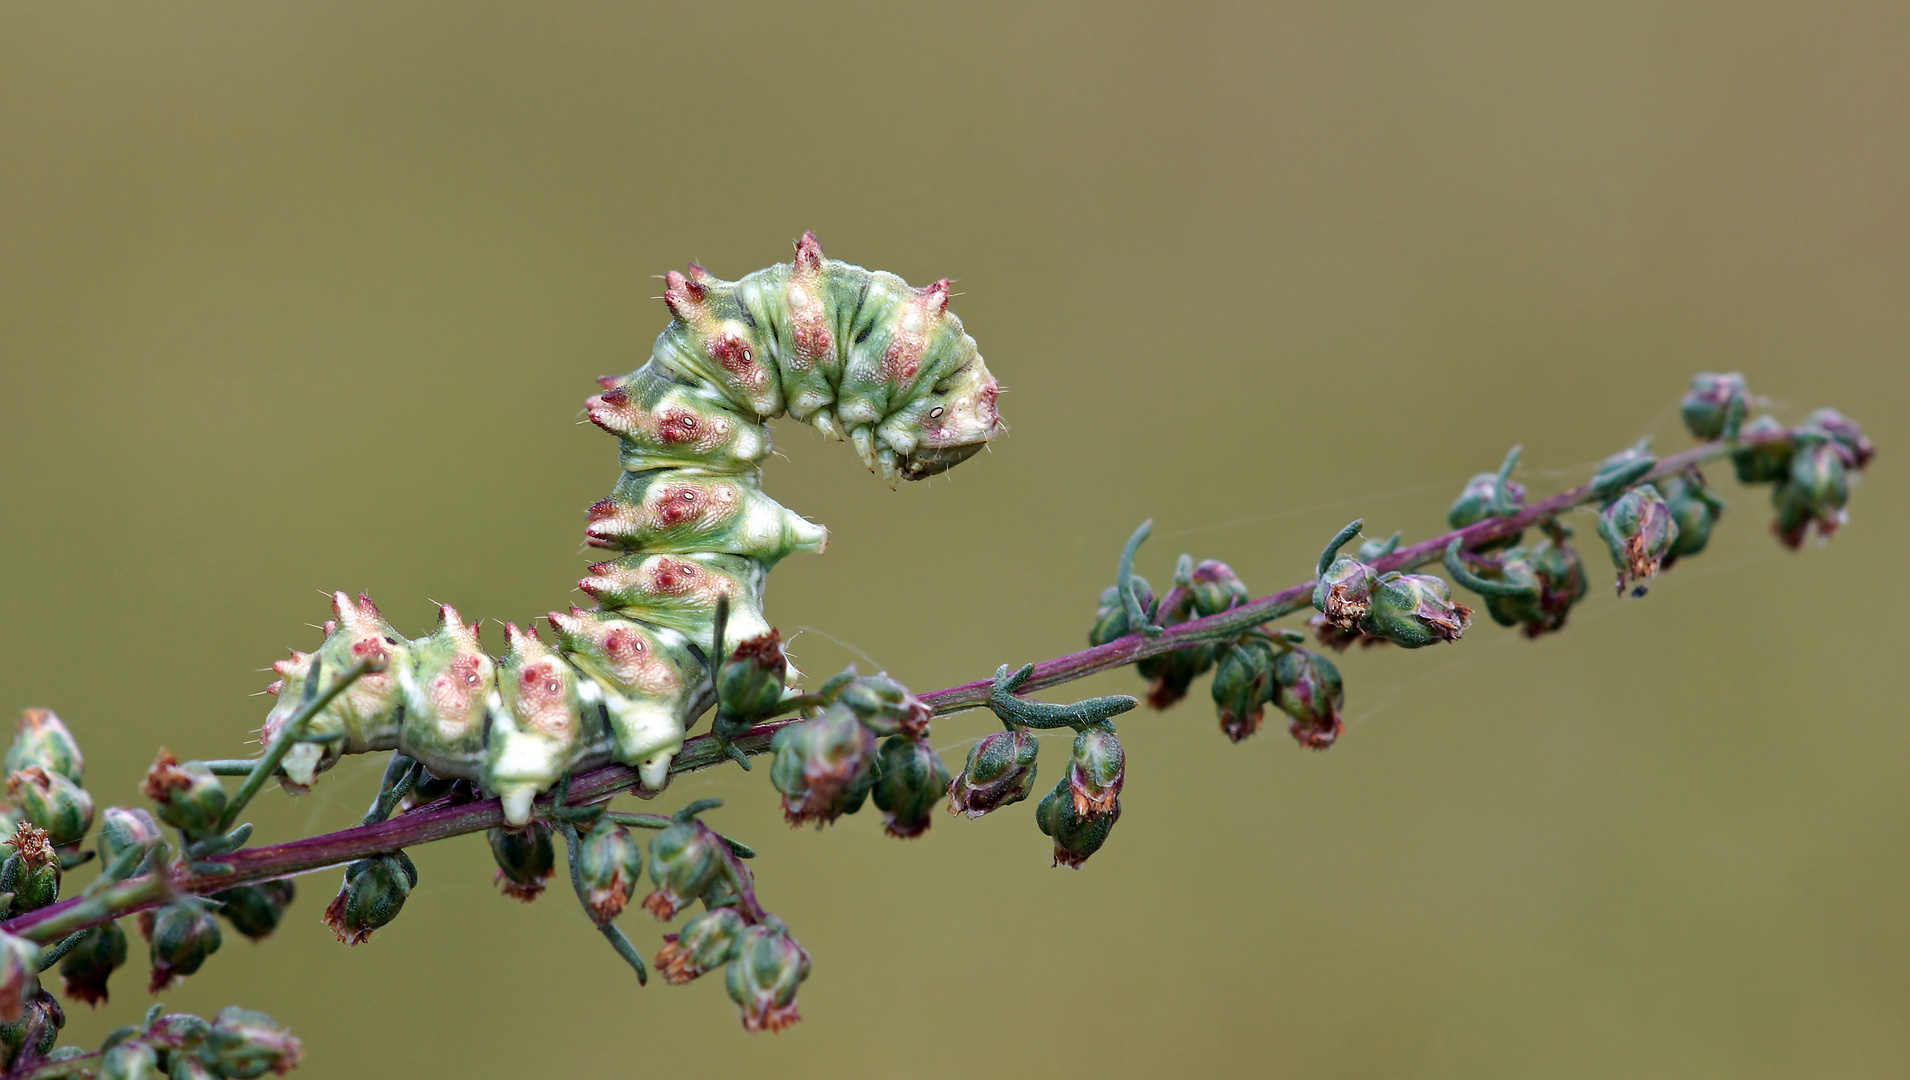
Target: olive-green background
[{"x": 299, "y": 296}]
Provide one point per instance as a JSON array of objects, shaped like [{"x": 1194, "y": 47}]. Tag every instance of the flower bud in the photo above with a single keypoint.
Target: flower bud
[
  {"x": 910, "y": 779},
  {"x": 39, "y": 1023},
  {"x": 1638, "y": 529},
  {"x": 525, "y": 860},
  {"x": 1512, "y": 568},
  {"x": 1340, "y": 638},
  {"x": 610, "y": 864},
  {"x": 1411, "y": 610},
  {"x": 1344, "y": 594},
  {"x": 132, "y": 1060},
  {"x": 1561, "y": 578},
  {"x": 1844, "y": 431},
  {"x": 1216, "y": 588},
  {"x": 750, "y": 684},
  {"x": 1307, "y": 687},
  {"x": 1482, "y": 499},
  {"x": 86, "y": 969},
  {"x": 19, "y": 976},
  {"x": 1076, "y": 836},
  {"x": 1549, "y": 575},
  {"x": 123, "y": 827},
  {"x": 1000, "y": 770},
  {"x": 768, "y": 967},
  {"x": 243, "y": 1044},
  {"x": 373, "y": 894},
  {"x": 1816, "y": 491},
  {"x": 1243, "y": 683},
  {"x": 182, "y": 1066},
  {"x": 190, "y": 798},
  {"x": 180, "y": 935},
  {"x": 53, "y": 802},
  {"x": 1096, "y": 772},
  {"x": 1693, "y": 509},
  {"x": 41, "y": 739},
  {"x": 1769, "y": 459},
  {"x": 686, "y": 859},
  {"x": 1171, "y": 673},
  {"x": 1110, "y": 619},
  {"x": 1707, "y": 407},
  {"x": 722, "y": 891},
  {"x": 884, "y": 706},
  {"x": 32, "y": 872},
  {"x": 1084, "y": 806},
  {"x": 704, "y": 944},
  {"x": 255, "y": 910},
  {"x": 183, "y": 1033},
  {"x": 823, "y": 766}
]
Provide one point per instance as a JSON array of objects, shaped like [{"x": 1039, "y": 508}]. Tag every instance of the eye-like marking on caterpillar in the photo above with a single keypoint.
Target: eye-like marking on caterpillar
[{"x": 858, "y": 354}]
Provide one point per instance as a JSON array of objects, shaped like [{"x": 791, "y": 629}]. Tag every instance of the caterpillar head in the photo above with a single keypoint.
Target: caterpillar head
[{"x": 947, "y": 425}]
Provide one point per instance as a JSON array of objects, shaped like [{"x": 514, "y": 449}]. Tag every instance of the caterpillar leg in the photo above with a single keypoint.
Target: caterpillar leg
[{"x": 537, "y": 724}]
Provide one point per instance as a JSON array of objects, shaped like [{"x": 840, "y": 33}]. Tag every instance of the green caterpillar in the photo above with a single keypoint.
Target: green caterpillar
[{"x": 858, "y": 354}]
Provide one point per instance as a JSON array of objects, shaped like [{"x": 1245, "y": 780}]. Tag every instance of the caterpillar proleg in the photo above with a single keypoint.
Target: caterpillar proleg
[{"x": 858, "y": 354}]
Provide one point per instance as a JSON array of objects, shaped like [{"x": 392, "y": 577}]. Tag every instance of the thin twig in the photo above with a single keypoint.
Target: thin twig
[{"x": 268, "y": 762}]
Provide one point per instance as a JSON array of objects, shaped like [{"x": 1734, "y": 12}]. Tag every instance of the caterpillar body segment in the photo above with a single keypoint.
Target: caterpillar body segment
[
  {"x": 858, "y": 354},
  {"x": 679, "y": 592},
  {"x": 664, "y": 422},
  {"x": 673, "y": 510}
]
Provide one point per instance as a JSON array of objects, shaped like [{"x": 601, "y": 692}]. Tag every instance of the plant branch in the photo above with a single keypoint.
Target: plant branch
[
  {"x": 1231, "y": 623},
  {"x": 445, "y": 818}
]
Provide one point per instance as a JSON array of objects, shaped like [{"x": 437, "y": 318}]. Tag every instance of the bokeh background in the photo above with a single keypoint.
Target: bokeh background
[{"x": 302, "y": 296}]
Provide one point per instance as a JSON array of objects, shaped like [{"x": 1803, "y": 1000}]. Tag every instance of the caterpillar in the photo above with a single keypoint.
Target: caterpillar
[{"x": 858, "y": 354}]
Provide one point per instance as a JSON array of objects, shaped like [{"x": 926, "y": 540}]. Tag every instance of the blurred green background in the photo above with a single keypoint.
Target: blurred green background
[{"x": 296, "y": 297}]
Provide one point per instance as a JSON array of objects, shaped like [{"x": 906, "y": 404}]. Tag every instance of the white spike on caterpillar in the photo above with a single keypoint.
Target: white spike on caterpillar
[{"x": 858, "y": 354}]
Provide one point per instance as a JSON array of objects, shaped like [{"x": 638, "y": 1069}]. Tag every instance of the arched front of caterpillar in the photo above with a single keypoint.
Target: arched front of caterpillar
[{"x": 858, "y": 354}]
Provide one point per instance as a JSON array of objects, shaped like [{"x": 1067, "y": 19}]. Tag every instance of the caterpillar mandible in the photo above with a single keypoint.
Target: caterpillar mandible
[{"x": 858, "y": 354}]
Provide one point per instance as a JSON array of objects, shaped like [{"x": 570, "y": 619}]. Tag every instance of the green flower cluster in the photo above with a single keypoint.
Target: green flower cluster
[{"x": 764, "y": 964}]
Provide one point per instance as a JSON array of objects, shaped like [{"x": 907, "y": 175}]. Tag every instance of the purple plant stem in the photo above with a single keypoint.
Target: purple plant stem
[
  {"x": 740, "y": 881},
  {"x": 1064, "y": 669},
  {"x": 442, "y": 820}
]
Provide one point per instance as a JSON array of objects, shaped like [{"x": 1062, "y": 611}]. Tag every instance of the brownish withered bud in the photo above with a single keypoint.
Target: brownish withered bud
[
  {"x": 705, "y": 943},
  {"x": 823, "y": 766},
  {"x": 525, "y": 860},
  {"x": 686, "y": 862},
  {"x": 1340, "y": 638},
  {"x": 1000, "y": 771},
  {"x": 1307, "y": 688},
  {"x": 189, "y": 798}
]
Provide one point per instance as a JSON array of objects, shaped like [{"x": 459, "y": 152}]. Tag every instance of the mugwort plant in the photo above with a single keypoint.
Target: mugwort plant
[{"x": 531, "y": 746}]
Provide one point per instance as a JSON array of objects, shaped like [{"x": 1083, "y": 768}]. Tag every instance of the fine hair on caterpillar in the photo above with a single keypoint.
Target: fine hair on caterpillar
[{"x": 858, "y": 354}]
